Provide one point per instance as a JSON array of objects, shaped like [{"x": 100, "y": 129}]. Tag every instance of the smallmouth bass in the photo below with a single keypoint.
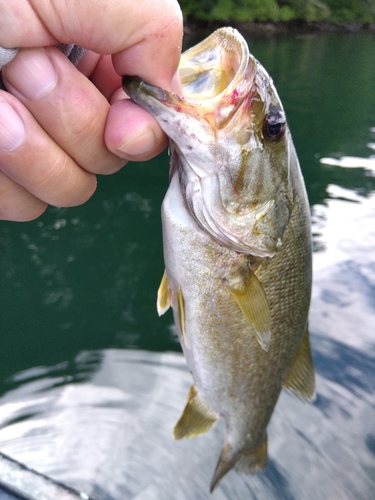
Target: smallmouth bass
[{"x": 237, "y": 245}]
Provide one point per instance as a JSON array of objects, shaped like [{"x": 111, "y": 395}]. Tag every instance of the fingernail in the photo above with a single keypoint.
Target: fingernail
[
  {"x": 12, "y": 129},
  {"x": 139, "y": 143},
  {"x": 31, "y": 73}
]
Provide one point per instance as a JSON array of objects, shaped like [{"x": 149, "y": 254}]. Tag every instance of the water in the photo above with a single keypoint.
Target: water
[{"x": 92, "y": 381}]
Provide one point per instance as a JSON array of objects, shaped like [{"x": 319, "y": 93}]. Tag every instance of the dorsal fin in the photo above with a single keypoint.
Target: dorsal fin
[
  {"x": 195, "y": 419},
  {"x": 300, "y": 379},
  {"x": 163, "y": 302},
  {"x": 249, "y": 294}
]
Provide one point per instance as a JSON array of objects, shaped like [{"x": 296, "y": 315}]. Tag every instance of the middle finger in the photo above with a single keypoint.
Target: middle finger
[{"x": 65, "y": 103}]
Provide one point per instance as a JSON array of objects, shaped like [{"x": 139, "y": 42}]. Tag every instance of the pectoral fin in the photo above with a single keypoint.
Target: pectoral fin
[
  {"x": 195, "y": 419},
  {"x": 249, "y": 294},
  {"x": 301, "y": 378},
  {"x": 163, "y": 302}
]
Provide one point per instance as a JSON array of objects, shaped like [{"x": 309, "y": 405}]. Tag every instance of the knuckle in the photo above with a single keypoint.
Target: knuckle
[{"x": 63, "y": 182}]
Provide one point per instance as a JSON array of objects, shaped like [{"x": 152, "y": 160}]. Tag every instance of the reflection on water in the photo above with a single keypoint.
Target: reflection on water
[
  {"x": 137, "y": 397},
  {"x": 344, "y": 266},
  {"x": 77, "y": 290}
]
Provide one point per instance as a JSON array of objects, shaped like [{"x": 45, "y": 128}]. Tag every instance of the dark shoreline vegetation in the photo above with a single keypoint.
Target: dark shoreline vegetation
[
  {"x": 268, "y": 17},
  {"x": 193, "y": 28}
]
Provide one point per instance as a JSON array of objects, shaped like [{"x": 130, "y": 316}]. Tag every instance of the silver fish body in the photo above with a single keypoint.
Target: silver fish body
[{"x": 237, "y": 246}]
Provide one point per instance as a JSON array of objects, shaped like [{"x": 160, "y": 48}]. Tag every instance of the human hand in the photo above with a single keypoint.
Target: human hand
[{"x": 61, "y": 124}]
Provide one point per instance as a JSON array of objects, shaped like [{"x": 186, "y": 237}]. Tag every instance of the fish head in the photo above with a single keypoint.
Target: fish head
[{"x": 229, "y": 143}]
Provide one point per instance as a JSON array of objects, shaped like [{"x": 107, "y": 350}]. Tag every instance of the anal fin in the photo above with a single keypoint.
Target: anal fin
[
  {"x": 300, "y": 379},
  {"x": 163, "y": 302},
  {"x": 250, "y": 296},
  {"x": 195, "y": 419}
]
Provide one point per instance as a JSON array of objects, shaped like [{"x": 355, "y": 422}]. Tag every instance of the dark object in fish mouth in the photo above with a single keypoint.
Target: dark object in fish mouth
[
  {"x": 133, "y": 84},
  {"x": 130, "y": 83}
]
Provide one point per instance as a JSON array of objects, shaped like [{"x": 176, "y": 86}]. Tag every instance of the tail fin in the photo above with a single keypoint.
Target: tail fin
[
  {"x": 254, "y": 460},
  {"x": 248, "y": 462}
]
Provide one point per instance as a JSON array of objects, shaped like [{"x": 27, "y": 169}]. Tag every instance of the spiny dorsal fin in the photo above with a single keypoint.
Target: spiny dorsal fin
[
  {"x": 195, "y": 419},
  {"x": 249, "y": 294},
  {"x": 163, "y": 302},
  {"x": 300, "y": 379}
]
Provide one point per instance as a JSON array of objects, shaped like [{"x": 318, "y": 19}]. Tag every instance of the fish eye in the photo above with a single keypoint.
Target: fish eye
[{"x": 274, "y": 125}]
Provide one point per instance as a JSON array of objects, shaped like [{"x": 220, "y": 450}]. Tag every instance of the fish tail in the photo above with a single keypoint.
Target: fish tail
[
  {"x": 248, "y": 462},
  {"x": 254, "y": 460}
]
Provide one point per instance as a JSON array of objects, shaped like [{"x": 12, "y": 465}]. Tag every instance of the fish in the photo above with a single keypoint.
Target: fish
[{"x": 237, "y": 245}]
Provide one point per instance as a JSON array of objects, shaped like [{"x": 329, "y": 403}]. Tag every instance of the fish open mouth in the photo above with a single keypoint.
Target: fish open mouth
[
  {"x": 214, "y": 66},
  {"x": 210, "y": 71}
]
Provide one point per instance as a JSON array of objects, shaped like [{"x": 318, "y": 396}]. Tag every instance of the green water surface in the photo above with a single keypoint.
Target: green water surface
[{"x": 86, "y": 278}]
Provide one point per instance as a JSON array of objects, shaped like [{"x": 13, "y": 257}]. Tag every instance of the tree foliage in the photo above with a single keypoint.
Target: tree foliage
[{"x": 336, "y": 11}]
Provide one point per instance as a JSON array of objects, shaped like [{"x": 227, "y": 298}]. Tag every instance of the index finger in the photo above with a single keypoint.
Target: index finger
[{"x": 145, "y": 35}]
